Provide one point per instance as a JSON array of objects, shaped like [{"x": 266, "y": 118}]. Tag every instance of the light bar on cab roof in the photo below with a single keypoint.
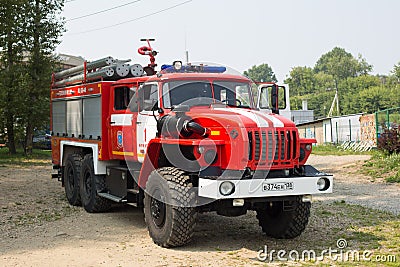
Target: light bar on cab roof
[{"x": 191, "y": 68}]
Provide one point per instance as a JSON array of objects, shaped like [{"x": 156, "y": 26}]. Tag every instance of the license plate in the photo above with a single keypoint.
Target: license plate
[{"x": 278, "y": 186}]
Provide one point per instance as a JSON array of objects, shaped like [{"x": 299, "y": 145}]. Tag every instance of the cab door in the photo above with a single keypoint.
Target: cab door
[
  {"x": 122, "y": 123},
  {"x": 148, "y": 96}
]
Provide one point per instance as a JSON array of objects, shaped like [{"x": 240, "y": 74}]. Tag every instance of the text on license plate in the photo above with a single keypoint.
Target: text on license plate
[{"x": 278, "y": 186}]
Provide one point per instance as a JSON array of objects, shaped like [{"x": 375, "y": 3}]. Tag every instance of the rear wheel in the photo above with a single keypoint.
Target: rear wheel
[
  {"x": 284, "y": 219},
  {"x": 91, "y": 184},
  {"x": 71, "y": 176},
  {"x": 169, "y": 207}
]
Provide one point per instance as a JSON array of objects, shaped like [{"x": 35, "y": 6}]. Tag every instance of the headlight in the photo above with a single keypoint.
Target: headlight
[
  {"x": 226, "y": 188},
  {"x": 201, "y": 149},
  {"x": 323, "y": 184}
]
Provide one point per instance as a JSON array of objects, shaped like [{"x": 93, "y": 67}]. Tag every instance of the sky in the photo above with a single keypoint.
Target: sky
[{"x": 239, "y": 34}]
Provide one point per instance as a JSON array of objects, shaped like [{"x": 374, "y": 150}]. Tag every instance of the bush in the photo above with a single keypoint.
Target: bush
[{"x": 389, "y": 141}]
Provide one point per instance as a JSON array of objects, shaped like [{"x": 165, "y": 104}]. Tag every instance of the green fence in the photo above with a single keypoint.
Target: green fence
[{"x": 387, "y": 119}]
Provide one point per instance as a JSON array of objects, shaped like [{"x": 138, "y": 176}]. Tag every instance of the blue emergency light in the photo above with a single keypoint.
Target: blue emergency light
[{"x": 178, "y": 67}]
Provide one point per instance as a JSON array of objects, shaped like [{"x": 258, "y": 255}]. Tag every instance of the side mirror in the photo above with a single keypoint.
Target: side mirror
[
  {"x": 274, "y": 99},
  {"x": 154, "y": 106},
  {"x": 271, "y": 97}
]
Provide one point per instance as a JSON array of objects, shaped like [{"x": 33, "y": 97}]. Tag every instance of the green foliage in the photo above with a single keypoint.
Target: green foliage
[
  {"x": 319, "y": 102},
  {"x": 373, "y": 99},
  {"x": 12, "y": 25},
  {"x": 341, "y": 64},
  {"x": 38, "y": 157},
  {"x": 358, "y": 91},
  {"x": 29, "y": 32},
  {"x": 385, "y": 166},
  {"x": 301, "y": 80},
  {"x": 261, "y": 73},
  {"x": 328, "y": 149},
  {"x": 396, "y": 71}
]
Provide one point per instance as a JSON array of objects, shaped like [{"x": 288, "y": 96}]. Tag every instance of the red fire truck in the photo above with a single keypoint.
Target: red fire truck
[{"x": 179, "y": 141}]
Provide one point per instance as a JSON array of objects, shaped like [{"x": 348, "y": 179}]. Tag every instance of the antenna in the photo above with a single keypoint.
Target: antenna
[{"x": 186, "y": 50}]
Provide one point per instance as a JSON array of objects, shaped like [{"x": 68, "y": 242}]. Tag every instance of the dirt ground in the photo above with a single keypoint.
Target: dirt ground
[{"x": 39, "y": 228}]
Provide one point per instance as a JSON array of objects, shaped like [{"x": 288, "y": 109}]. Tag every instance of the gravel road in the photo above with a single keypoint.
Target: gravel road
[
  {"x": 355, "y": 188},
  {"x": 39, "y": 228}
]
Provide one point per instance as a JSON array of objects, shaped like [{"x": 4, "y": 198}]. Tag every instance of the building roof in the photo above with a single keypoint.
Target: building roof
[
  {"x": 71, "y": 60},
  {"x": 328, "y": 118}
]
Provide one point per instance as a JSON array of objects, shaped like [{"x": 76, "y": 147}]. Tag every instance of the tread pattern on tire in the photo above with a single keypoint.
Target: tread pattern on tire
[
  {"x": 296, "y": 222},
  {"x": 183, "y": 211},
  {"x": 96, "y": 203},
  {"x": 76, "y": 160}
]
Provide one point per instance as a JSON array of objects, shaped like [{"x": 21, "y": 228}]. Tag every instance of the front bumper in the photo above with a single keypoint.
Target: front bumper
[{"x": 270, "y": 187}]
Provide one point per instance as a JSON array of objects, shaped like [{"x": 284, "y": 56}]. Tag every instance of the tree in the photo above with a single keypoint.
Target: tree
[
  {"x": 374, "y": 98},
  {"x": 396, "y": 71},
  {"x": 341, "y": 64},
  {"x": 29, "y": 33},
  {"x": 301, "y": 81},
  {"x": 12, "y": 23},
  {"x": 261, "y": 73},
  {"x": 43, "y": 32}
]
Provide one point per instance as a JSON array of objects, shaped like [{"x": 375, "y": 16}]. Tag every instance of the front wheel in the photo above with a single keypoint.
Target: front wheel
[
  {"x": 284, "y": 219},
  {"x": 169, "y": 207}
]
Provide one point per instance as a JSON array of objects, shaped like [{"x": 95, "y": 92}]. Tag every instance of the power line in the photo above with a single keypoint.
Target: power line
[
  {"x": 135, "y": 19},
  {"x": 102, "y": 11}
]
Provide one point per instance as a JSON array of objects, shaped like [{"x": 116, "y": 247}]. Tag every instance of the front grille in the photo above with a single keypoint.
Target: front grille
[{"x": 272, "y": 145}]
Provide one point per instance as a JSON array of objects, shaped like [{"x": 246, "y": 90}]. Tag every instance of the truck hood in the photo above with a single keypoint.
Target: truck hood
[{"x": 237, "y": 117}]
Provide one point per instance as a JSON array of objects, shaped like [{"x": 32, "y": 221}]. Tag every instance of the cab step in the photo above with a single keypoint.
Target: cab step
[{"x": 112, "y": 197}]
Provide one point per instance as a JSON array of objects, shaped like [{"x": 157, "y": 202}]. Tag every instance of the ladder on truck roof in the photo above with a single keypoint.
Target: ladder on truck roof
[{"x": 105, "y": 69}]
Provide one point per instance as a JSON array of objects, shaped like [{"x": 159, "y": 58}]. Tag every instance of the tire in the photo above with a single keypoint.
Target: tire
[
  {"x": 71, "y": 178},
  {"x": 90, "y": 185},
  {"x": 281, "y": 223},
  {"x": 169, "y": 208}
]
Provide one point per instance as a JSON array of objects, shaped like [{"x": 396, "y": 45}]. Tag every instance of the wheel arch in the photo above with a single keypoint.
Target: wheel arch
[
  {"x": 151, "y": 162},
  {"x": 72, "y": 147}
]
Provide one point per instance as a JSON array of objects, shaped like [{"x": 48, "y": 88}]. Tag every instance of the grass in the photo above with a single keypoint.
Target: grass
[
  {"x": 379, "y": 166},
  {"x": 38, "y": 158},
  {"x": 361, "y": 229},
  {"x": 364, "y": 229},
  {"x": 324, "y": 150},
  {"x": 383, "y": 166}
]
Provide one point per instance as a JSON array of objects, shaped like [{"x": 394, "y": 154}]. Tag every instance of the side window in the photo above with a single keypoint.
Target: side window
[
  {"x": 148, "y": 97},
  {"x": 121, "y": 98}
]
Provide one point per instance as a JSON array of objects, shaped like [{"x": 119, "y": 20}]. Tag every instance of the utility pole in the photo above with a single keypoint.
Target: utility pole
[
  {"x": 335, "y": 101},
  {"x": 337, "y": 98}
]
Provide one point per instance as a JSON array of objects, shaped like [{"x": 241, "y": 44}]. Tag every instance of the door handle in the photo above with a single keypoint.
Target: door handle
[
  {"x": 112, "y": 122},
  {"x": 138, "y": 122}
]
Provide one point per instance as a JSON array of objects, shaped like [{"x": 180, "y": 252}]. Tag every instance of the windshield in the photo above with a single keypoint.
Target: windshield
[{"x": 204, "y": 93}]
